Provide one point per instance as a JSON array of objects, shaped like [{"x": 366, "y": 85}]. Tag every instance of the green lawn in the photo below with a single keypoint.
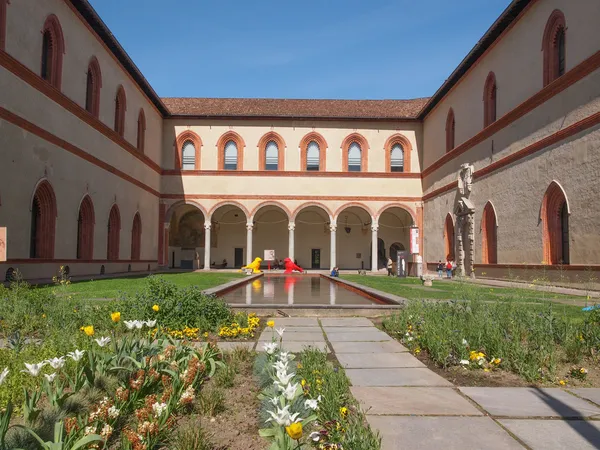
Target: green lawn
[{"x": 112, "y": 288}]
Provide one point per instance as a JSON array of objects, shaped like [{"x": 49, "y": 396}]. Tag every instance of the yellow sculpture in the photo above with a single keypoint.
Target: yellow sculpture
[{"x": 254, "y": 265}]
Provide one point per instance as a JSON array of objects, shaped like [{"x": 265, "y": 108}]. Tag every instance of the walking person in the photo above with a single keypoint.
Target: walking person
[
  {"x": 440, "y": 268},
  {"x": 390, "y": 265},
  {"x": 449, "y": 269}
]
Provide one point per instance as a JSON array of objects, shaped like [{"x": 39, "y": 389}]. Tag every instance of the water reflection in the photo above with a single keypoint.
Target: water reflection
[{"x": 294, "y": 289}]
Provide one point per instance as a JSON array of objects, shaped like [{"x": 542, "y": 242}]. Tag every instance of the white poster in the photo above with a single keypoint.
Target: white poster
[
  {"x": 269, "y": 255},
  {"x": 414, "y": 241}
]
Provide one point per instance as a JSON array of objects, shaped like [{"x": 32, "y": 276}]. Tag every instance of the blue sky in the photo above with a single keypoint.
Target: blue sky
[{"x": 352, "y": 49}]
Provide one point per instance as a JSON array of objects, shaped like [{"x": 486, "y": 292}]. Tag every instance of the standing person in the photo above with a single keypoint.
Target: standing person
[
  {"x": 440, "y": 268},
  {"x": 390, "y": 265},
  {"x": 449, "y": 269}
]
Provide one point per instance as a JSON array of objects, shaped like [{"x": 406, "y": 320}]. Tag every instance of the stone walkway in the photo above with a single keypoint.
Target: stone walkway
[{"x": 413, "y": 407}]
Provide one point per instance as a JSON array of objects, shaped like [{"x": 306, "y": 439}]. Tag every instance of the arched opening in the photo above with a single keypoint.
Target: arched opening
[
  {"x": 354, "y": 238},
  {"x": 449, "y": 238},
  {"x": 136, "y": 237},
  {"x": 120, "y": 108},
  {"x": 231, "y": 156},
  {"x": 141, "y": 131},
  {"x": 187, "y": 237},
  {"x": 312, "y": 247},
  {"x": 355, "y": 149},
  {"x": 114, "y": 234},
  {"x": 313, "y": 152},
  {"x": 53, "y": 48},
  {"x": 187, "y": 151},
  {"x": 85, "y": 229},
  {"x": 271, "y": 232},
  {"x": 188, "y": 156},
  {"x": 450, "y": 131},
  {"x": 489, "y": 100},
  {"x": 230, "y": 147},
  {"x": 3, "y": 24},
  {"x": 228, "y": 234},
  {"x": 555, "y": 218},
  {"x": 554, "y": 47},
  {"x": 489, "y": 250},
  {"x": 93, "y": 85},
  {"x": 396, "y": 248},
  {"x": 271, "y": 148},
  {"x": 43, "y": 222},
  {"x": 395, "y": 223}
]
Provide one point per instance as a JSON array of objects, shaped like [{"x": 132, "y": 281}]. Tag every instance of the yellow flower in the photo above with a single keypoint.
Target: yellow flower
[
  {"x": 294, "y": 431},
  {"x": 303, "y": 382},
  {"x": 88, "y": 330},
  {"x": 206, "y": 334},
  {"x": 299, "y": 366},
  {"x": 344, "y": 411},
  {"x": 562, "y": 382},
  {"x": 417, "y": 351},
  {"x": 43, "y": 316},
  {"x": 115, "y": 317},
  {"x": 271, "y": 323},
  {"x": 486, "y": 370},
  {"x": 497, "y": 361},
  {"x": 156, "y": 308}
]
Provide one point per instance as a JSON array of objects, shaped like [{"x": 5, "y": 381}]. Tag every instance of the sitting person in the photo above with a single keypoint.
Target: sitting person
[{"x": 335, "y": 272}]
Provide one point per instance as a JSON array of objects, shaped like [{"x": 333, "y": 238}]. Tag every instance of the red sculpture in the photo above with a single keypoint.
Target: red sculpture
[{"x": 291, "y": 267}]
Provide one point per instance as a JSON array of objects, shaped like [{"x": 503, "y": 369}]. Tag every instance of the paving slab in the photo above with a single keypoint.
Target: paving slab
[
  {"x": 294, "y": 321},
  {"x": 296, "y": 329},
  {"x": 414, "y": 401},
  {"x": 395, "y": 377},
  {"x": 349, "y": 329},
  {"x": 229, "y": 346},
  {"x": 449, "y": 433},
  {"x": 556, "y": 434},
  {"x": 591, "y": 394},
  {"x": 298, "y": 346},
  {"x": 347, "y": 322},
  {"x": 377, "y": 360},
  {"x": 530, "y": 402},
  {"x": 365, "y": 336},
  {"x": 267, "y": 336},
  {"x": 368, "y": 347}
]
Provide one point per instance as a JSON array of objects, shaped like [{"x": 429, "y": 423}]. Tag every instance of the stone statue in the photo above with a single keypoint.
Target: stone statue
[{"x": 465, "y": 179}]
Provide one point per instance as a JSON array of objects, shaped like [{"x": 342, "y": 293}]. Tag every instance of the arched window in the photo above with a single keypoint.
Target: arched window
[
  {"x": 188, "y": 156},
  {"x": 313, "y": 156},
  {"x": 3, "y": 24},
  {"x": 93, "y": 85},
  {"x": 449, "y": 238},
  {"x": 53, "y": 48},
  {"x": 43, "y": 222},
  {"x": 489, "y": 100},
  {"x": 141, "y": 131},
  {"x": 555, "y": 218},
  {"x": 114, "y": 234},
  {"x": 136, "y": 237},
  {"x": 85, "y": 229},
  {"x": 397, "y": 158},
  {"x": 554, "y": 46},
  {"x": 271, "y": 156},
  {"x": 489, "y": 246},
  {"x": 231, "y": 156},
  {"x": 354, "y": 157},
  {"x": 120, "y": 108},
  {"x": 450, "y": 131}
]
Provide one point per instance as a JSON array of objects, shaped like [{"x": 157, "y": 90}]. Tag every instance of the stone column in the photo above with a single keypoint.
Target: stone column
[
  {"x": 374, "y": 256},
  {"x": 332, "y": 293},
  {"x": 333, "y": 245},
  {"x": 471, "y": 234},
  {"x": 165, "y": 249},
  {"x": 291, "y": 229},
  {"x": 207, "y": 227},
  {"x": 460, "y": 249},
  {"x": 249, "y": 228}
]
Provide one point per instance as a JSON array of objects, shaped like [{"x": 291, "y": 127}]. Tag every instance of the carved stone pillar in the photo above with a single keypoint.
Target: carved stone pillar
[
  {"x": 249, "y": 228},
  {"x": 291, "y": 229},
  {"x": 207, "y": 227},
  {"x": 332, "y": 245},
  {"x": 374, "y": 255},
  {"x": 460, "y": 249},
  {"x": 471, "y": 237}
]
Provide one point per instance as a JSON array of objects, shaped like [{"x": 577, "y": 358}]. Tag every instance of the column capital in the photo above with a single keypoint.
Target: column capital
[
  {"x": 207, "y": 225},
  {"x": 291, "y": 226}
]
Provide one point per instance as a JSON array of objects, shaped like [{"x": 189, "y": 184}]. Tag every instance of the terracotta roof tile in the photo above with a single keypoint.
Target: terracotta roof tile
[{"x": 292, "y": 108}]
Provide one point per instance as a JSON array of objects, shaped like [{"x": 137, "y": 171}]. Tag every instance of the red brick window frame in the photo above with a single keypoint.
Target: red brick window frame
[
  {"x": 239, "y": 143},
  {"x": 489, "y": 100},
  {"x": 313, "y": 136},
  {"x": 180, "y": 141},
  {"x": 120, "y": 108},
  {"x": 141, "y": 131},
  {"x": 85, "y": 229},
  {"x": 136, "y": 237},
  {"x": 450, "y": 131},
  {"x": 554, "y": 205},
  {"x": 364, "y": 151},
  {"x": 53, "y": 49},
  {"x": 93, "y": 86},
  {"x": 449, "y": 237},
  {"x": 489, "y": 239},
  {"x": 554, "y": 46},
  {"x": 271, "y": 136},
  {"x": 3, "y": 4},
  {"x": 398, "y": 139},
  {"x": 43, "y": 221},
  {"x": 114, "y": 234}
]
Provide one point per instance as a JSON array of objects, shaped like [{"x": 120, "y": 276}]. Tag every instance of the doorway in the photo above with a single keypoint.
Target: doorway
[
  {"x": 238, "y": 258},
  {"x": 315, "y": 258}
]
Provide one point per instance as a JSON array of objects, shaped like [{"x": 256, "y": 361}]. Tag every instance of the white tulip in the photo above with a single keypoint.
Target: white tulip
[
  {"x": 280, "y": 331},
  {"x": 311, "y": 404},
  {"x": 284, "y": 378},
  {"x": 285, "y": 357},
  {"x": 315, "y": 436},
  {"x": 3, "y": 375},
  {"x": 34, "y": 369},
  {"x": 281, "y": 366},
  {"x": 130, "y": 324},
  {"x": 283, "y": 417},
  {"x": 290, "y": 391},
  {"x": 270, "y": 347},
  {"x": 56, "y": 363},
  {"x": 464, "y": 362},
  {"x": 76, "y": 355},
  {"x": 464, "y": 342},
  {"x": 275, "y": 401},
  {"x": 150, "y": 323},
  {"x": 50, "y": 377},
  {"x": 102, "y": 341}
]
